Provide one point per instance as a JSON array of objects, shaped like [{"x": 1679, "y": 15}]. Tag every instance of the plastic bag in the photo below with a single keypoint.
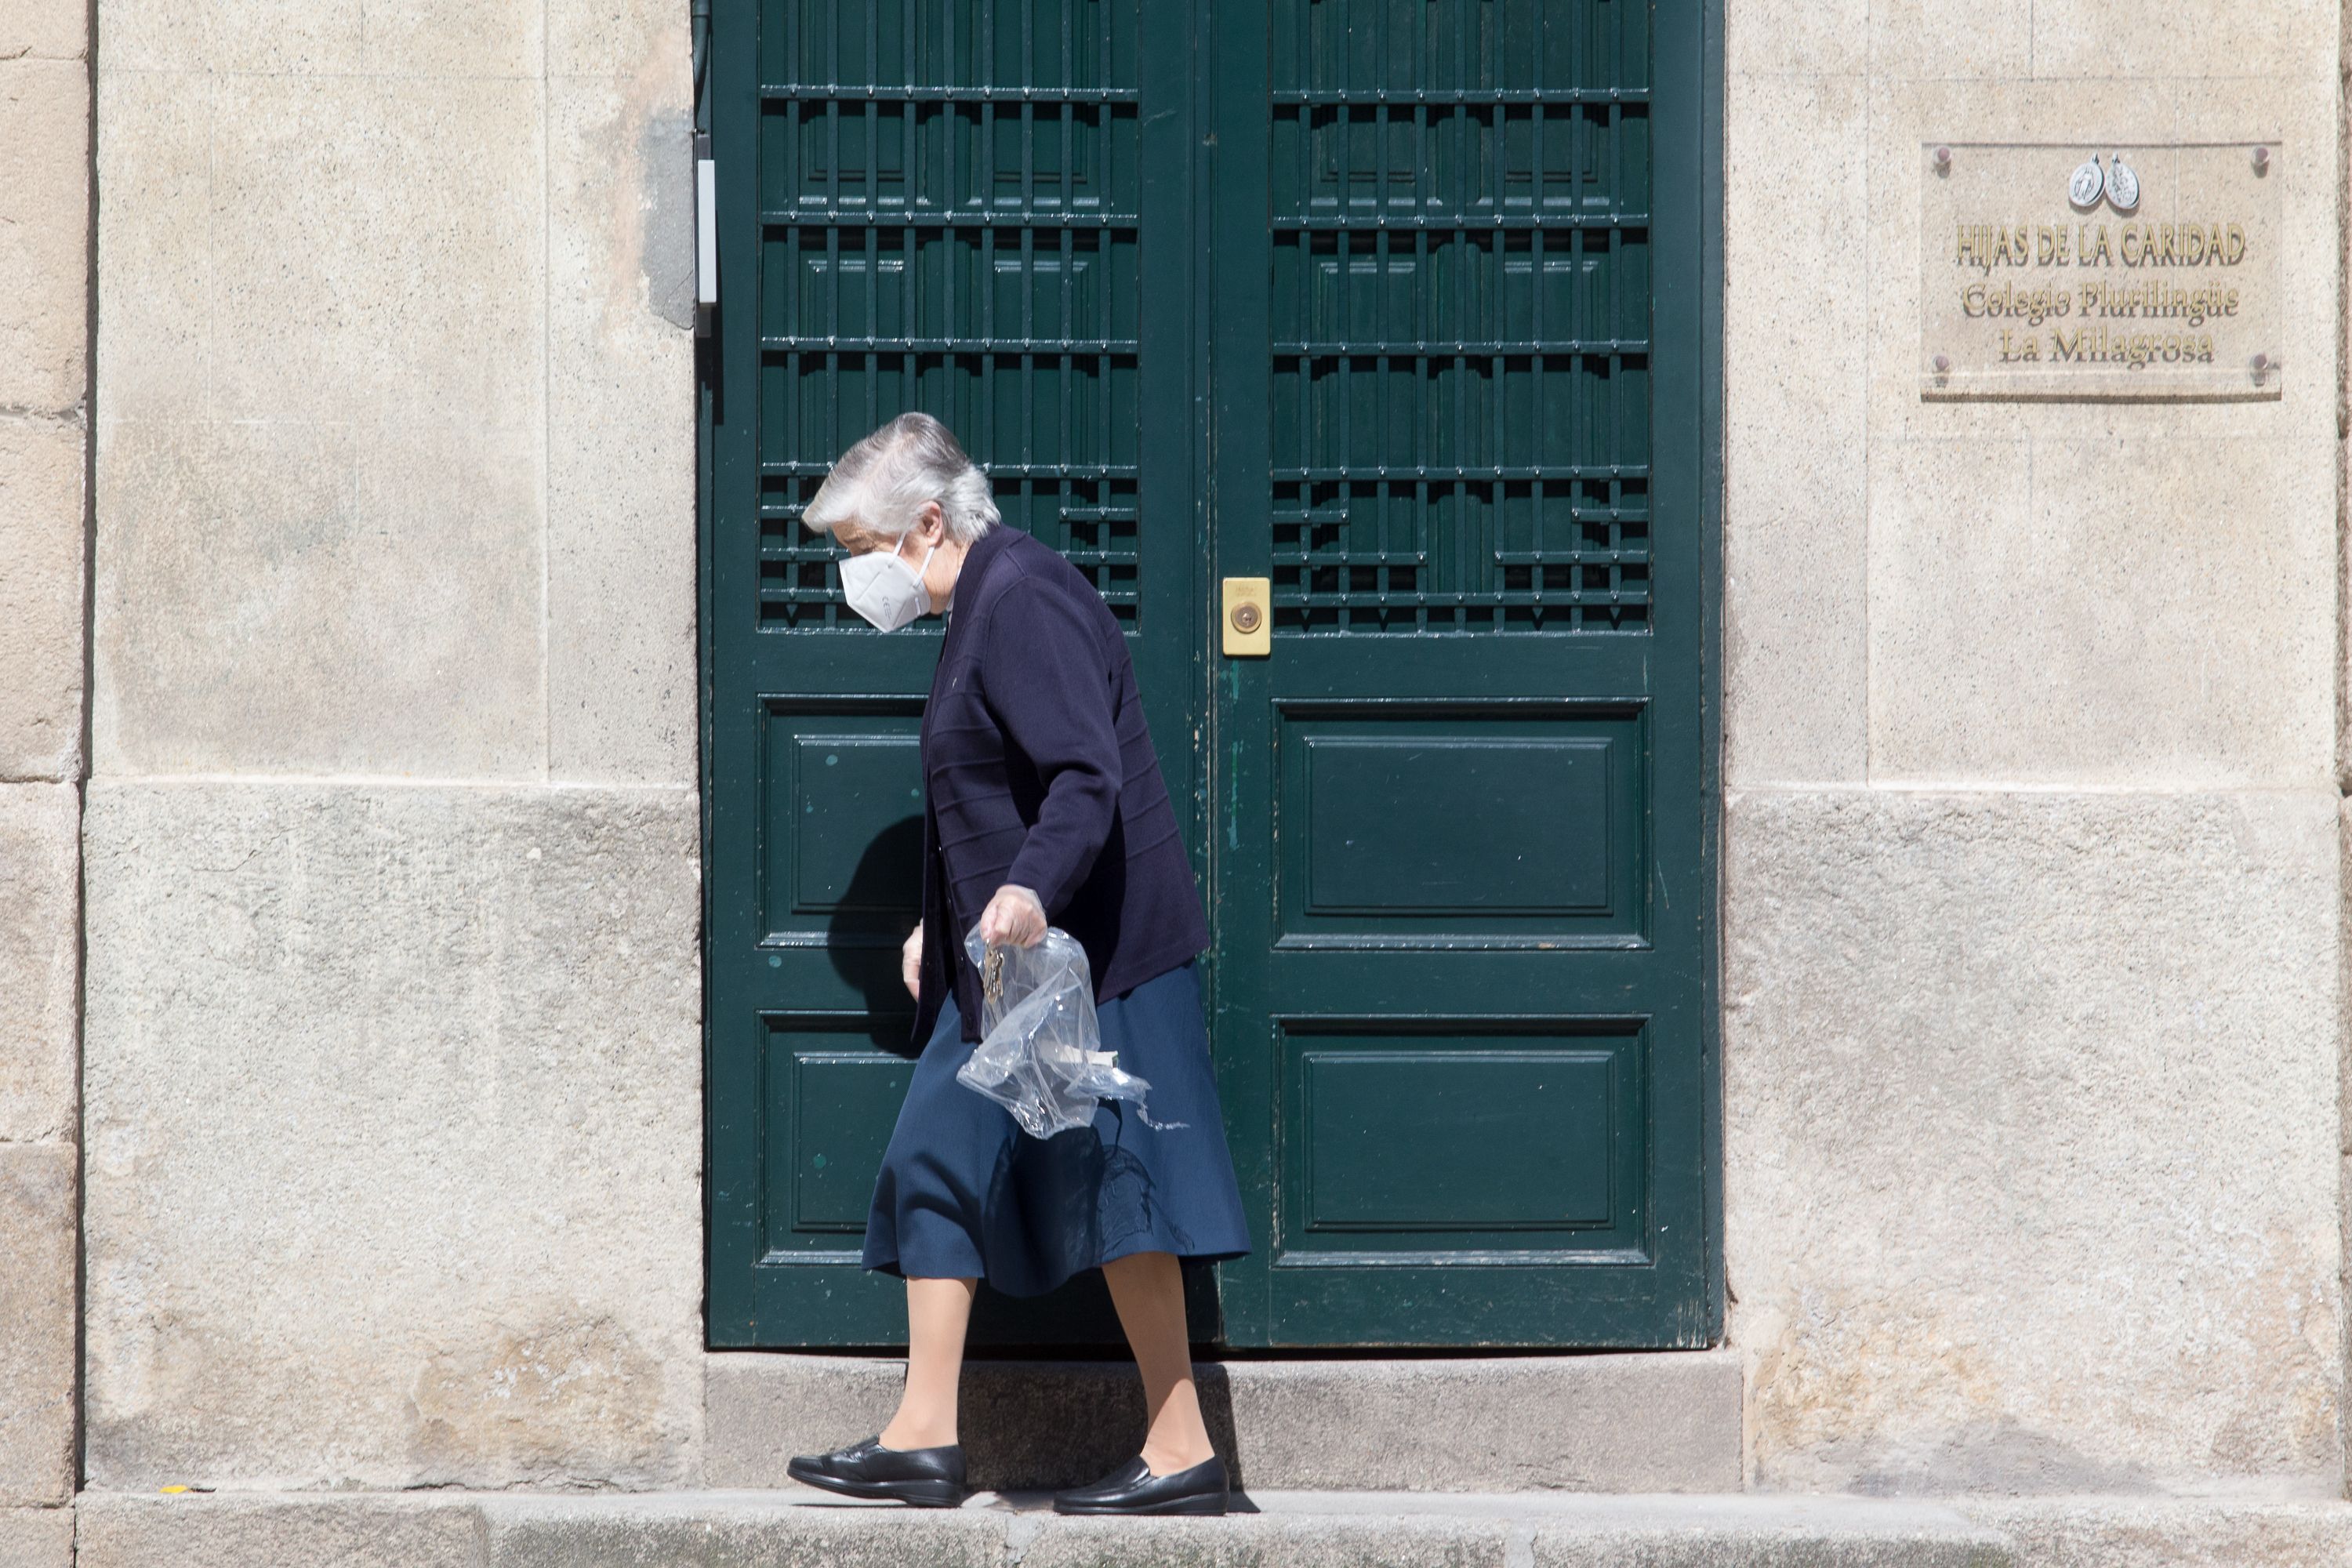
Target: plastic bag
[{"x": 1040, "y": 1055}]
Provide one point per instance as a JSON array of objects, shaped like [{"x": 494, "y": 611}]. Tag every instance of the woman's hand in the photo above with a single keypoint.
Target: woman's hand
[
  {"x": 910, "y": 963},
  {"x": 1014, "y": 919}
]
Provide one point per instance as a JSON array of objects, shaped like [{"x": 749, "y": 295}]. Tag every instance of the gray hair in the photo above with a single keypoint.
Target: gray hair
[{"x": 882, "y": 483}]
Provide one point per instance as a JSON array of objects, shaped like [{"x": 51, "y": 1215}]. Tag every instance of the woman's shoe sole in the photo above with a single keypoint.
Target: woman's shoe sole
[
  {"x": 914, "y": 1494},
  {"x": 1191, "y": 1508}
]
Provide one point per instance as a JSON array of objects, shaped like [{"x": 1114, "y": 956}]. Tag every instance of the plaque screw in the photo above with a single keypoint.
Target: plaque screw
[
  {"x": 2261, "y": 363},
  {"x": 1943, "y": 160},
  {"x": 2262, "y": 160},
  {"x": 1943, "y": 363}
]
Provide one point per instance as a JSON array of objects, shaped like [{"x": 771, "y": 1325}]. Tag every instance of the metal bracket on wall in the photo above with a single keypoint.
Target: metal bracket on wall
[{"x": 706, "y": 235}]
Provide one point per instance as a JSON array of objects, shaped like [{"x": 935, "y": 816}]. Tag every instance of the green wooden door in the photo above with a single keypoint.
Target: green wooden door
[
  {"x": 1464, "y": 866},
  {"x": 959, "y": 206},
  {"x": 1379, "y": 299}
]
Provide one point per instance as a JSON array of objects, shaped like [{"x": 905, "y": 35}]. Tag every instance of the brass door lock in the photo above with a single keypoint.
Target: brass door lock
[{"x": 1247, "y": 634}]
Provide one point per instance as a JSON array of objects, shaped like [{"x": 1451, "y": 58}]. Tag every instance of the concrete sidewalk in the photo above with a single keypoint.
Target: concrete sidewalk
[{"x": 792, "y": 1527}]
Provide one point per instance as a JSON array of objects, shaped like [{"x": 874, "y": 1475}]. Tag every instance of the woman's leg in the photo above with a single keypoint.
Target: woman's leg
[
  {"x": 1149, "y": 1290},
  {"x": 936, "y": 1313}
]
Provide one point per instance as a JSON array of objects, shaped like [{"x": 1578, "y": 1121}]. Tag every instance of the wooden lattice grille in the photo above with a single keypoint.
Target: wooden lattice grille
[
  {"x": 1461, "y": 306},
  {"x": 948, "y": 209}
]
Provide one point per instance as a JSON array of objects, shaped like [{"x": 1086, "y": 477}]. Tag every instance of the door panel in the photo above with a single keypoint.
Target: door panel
[
  {"x": 1403, "y": 825},
  {"x": 1433, "y": 1136},
  {"x": 836, "y": 1095},
  {"x": 1470, "y": 767},
  {"x": 841, "y": 821},
  {"x": 959, "y": 208}
]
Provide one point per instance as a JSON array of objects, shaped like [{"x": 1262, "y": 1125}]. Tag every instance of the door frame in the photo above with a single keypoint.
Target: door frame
[
  {"x": 740, "y": 258},
  {"x": 1710, "y": 547}
]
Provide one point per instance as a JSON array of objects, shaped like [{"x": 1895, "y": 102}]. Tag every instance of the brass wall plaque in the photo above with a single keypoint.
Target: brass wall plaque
[{"x": 2099, "y": 271}]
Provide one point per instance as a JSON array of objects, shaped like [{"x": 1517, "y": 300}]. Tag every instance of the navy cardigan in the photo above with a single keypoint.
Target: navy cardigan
[{"x": 1038, "y": 771}]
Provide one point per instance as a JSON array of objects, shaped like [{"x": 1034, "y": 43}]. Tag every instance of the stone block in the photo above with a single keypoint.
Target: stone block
[
  {"x": 40, "y": 958},
  {"x": 2030, "y": 1164},
  {"x": 802, "y": 1529},
  {"x": 1967, "y": 40},
  {"x": 2168, "y": 1532},
  {"x": 37, "y": 1303},
  {"x": 367, "y": 249},
  {"x": 2033, "y": 620},
  {"x": 41, "y": 549},
  {"x": 36, "y": 1536},
  {"x": 157, "y": 276},
  {"x": 1764, "y": 1532},
  {"x": 300, "y": 596},
  {"x": 443, "y": 39},
  {"x": 621, "y": 461},
  {"x": 42, "y": 29},
  {"x": 648, "y": 41},
  {"x": 393, "y": 1117},
  {"x": 715, "y": 1530},
  {"x": 45, "y": 233},
  {"x": 354, "y": 1530},
  {"x": 1297, "y": 1529},
  {"x": 1661, "y": 1423},
  {"x": 1396, "y": 1540},
  {"x": 322, "y": 444},
  {"x": 2149, "y": 39},
  {"x": 1796, "y": 392},
  {"x": 1603, "y": 1422},
  {"x": 1767, "y": 37},
  {"x": 379, "y": 251}
]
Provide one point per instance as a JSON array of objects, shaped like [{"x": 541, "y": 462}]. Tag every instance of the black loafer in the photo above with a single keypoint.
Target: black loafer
[
  {"x": 1133, "y": 1489},
  {"x": 920, "y": 1477}
]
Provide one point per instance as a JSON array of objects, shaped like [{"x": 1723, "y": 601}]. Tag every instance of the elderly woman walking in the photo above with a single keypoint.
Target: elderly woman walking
[{"x": 1043, "y": 803}]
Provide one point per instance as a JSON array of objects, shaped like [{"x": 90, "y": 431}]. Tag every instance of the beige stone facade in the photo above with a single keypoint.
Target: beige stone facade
[
  {"x": 2032, "y": 1040},
  {"x": 394, "y": 704},
  {"x": 367, "y": 1141},
  {"x": 44, "y": 527}
]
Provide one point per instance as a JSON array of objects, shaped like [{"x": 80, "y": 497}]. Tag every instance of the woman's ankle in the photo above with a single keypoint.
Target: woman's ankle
[
  {"x": 1165, "y": 1457},
  {"x": 904, "y": 1433}
]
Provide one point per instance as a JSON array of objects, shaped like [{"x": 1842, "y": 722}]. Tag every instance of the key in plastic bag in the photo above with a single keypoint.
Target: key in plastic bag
[{"x": 1040, "y": 1054}]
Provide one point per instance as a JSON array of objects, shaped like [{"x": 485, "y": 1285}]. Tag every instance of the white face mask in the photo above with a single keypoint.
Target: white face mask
[{"x": 884, "y": 589}]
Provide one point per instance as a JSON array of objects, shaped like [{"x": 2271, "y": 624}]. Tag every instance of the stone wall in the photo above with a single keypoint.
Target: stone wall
[
  {"x": 43, "y": 423},
  {"x": 393, "y": 1051},
  {"x": 2031, "y": 913}
]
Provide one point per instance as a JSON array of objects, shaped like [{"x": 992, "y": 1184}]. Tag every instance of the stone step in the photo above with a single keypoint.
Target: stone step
[
  {"x": 1668, "y": 1422},
  {"x": 798, "y": 1528}
]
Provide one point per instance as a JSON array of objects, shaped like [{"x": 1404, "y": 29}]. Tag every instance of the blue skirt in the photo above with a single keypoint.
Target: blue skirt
[{"x": 964, "y": 1193}]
